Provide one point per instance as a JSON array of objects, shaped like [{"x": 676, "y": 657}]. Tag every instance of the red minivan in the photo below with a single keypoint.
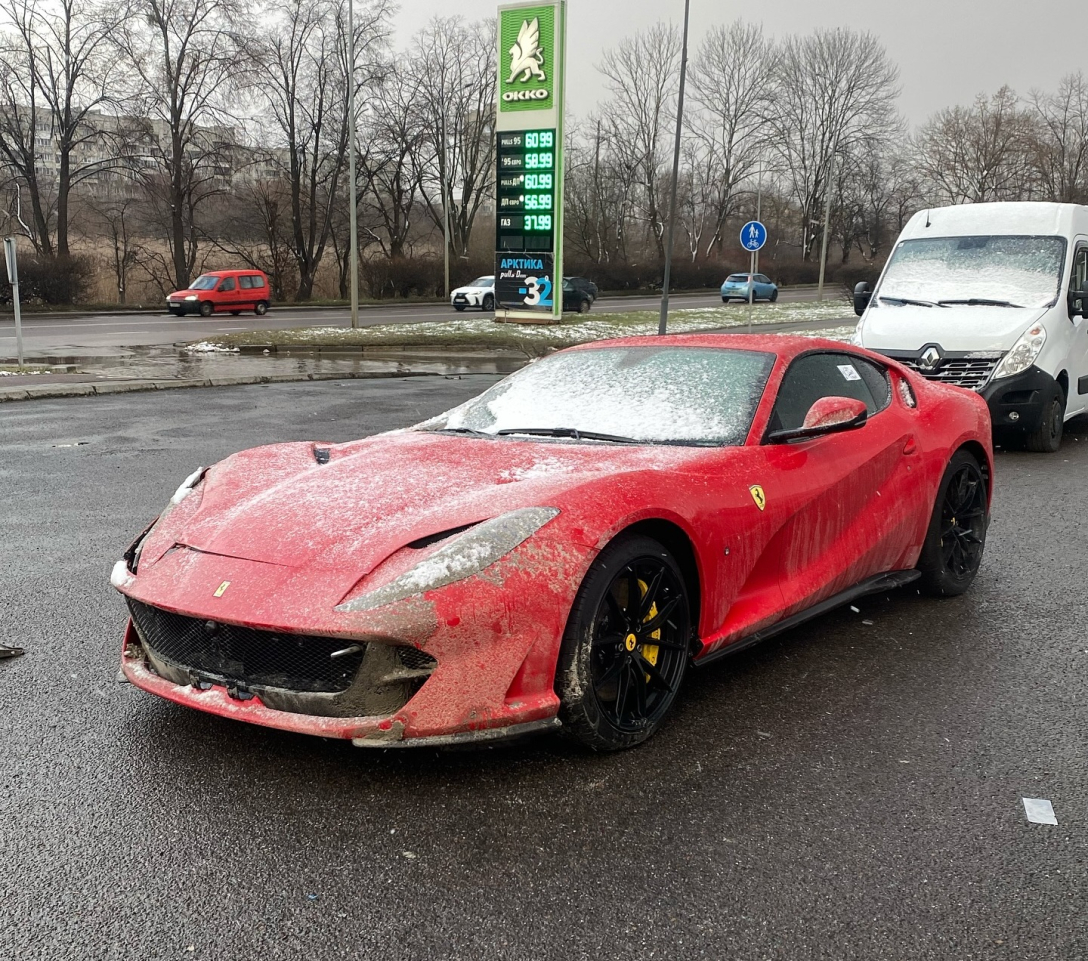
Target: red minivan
[{"x": 222, "y": 291}]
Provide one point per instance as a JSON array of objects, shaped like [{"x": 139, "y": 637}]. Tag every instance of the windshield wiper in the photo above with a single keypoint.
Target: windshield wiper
[
  {"x": 461, "y": 430},
  {"x": 571, "y": 432},
  {"x": 978, "y": 302},
  {"x": 907, "y": 302}
]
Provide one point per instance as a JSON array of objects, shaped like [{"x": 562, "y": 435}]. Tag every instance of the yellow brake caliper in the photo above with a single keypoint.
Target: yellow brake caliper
[{"x": 650, "y": 651}]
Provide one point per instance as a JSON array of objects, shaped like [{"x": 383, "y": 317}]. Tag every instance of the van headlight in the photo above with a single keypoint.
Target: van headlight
[
  {"x": 1023, "y": 354},
  {"x": 191, "y": 297}
]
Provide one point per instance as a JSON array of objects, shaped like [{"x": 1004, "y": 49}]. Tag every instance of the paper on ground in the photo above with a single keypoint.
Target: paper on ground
[{"x": 1039, "y": 810}]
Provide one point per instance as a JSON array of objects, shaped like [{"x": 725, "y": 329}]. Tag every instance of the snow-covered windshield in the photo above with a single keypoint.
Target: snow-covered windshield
[
  {"x": 683, "y": 395},
  {"x": 204, "y": 282},
  {"x": 1021, "y": 271}
]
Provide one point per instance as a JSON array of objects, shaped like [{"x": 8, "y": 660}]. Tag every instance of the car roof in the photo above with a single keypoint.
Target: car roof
[{"x": 785, "y": 346}]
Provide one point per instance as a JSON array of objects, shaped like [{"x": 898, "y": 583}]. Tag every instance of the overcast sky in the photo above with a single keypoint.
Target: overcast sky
[{"x": 947, "y": 50}]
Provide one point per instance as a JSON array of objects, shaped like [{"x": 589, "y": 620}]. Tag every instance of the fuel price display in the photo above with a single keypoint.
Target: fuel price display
[{"x": 526, "y": 216}]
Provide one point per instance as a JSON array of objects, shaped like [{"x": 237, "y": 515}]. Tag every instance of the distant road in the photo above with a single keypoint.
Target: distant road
[{"x": 68, "y": 332}]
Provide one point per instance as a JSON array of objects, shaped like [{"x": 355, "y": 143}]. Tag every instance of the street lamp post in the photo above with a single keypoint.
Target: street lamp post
[
  {"x": 353, "y": 219},
  {"x": 662, "y": 325}
]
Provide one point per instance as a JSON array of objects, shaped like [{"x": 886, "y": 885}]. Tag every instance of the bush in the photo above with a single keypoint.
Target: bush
[{"x": 51, "y": 280}]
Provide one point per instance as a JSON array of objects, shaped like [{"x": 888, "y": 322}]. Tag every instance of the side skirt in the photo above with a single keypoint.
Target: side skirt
[{"x": 874, "y": 585}]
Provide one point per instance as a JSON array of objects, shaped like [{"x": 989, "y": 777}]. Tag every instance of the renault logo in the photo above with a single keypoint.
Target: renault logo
[{"x": 931, "y": 358}]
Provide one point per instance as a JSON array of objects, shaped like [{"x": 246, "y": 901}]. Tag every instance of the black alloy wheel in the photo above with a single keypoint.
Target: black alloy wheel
[
  {"x": 489, "y": 303},
  {"x": 626, "y": 648},
  {"x": 206, "y": 308},
  {"x": 952, "y": 552}
]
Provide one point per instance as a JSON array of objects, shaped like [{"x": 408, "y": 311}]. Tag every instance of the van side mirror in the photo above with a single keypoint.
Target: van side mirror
[
  {"x": 863, "y": 293},
  {"x": 1078, "y": 303},
  {"x": 829, "y": 415}
]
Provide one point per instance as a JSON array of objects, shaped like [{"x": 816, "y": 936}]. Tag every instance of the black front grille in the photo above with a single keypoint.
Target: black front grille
[
  {"x": 247, "y": 657},
  {"x": 970, "y": 372},
  {"x": 416, "y": 660}
]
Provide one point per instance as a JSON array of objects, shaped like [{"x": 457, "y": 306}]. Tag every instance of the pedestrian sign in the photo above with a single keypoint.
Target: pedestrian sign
[{"x": 753, "y": 235}]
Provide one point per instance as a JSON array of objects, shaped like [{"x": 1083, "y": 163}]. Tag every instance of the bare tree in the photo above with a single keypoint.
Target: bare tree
[
  {"x": 115, "y": 217},
  {"x": 835, "y": 95},
  {"x": 732, "y": 83},
  {"x": 186, "y": 55},
  {"x": 978, "y": 154},
  {"x": 643, "y": 74},
  {"x": 453, "y": 67},
  {"x": 1060, "y": 144},
  {"x": 301, "y": 76}
]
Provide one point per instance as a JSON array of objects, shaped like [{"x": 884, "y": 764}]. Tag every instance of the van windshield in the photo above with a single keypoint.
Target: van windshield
[
  {"x": 1006, "y": 270},
  {"x": 204, "y": 282}
]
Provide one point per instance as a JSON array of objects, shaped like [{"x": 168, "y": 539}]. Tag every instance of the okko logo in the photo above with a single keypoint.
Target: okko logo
[{"x": 527, "y": 37}]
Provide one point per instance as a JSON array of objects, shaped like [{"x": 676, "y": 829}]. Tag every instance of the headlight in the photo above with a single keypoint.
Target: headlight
[
  {"x": 191, "y": 297},
  {"x": 188, "y": 484},
  {"x": 1023, "y": 353},
  {"x": 468, "y": 554}
]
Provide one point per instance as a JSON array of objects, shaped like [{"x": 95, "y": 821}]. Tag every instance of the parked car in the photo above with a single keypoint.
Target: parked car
[
  {"x": 555, "y": 553},
  {"x": 586, "y": 286},
  {"x": 736, "y": 287},
  {"x": 575, "y": 299},
  {"x": 992, "y": 297},
  {"x": 480, "y": 293},
  {"x": 224, "y": 291}
]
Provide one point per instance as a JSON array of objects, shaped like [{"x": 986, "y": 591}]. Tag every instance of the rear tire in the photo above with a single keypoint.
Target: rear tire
[
  {"x": 207, "y": 308},
  {"x": 1047, "y": 437},
  {"x": 956, "y": 538},
  {"x": 626, "y": 648},
  {"x": 261, "y": 309}
]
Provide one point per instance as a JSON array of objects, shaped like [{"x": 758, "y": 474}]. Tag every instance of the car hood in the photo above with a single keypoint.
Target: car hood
[
  {"x": 473, "y": 290},
  {"x": 957, "y": 328},
  {"x": 183, "y": 293},
  {"x": 278, "y": 505}
]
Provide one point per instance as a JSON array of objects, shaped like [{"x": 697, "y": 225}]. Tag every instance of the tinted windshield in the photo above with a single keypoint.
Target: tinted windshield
[
  {"x": 483, "y": 282},
  {"x": 1025, "y": 271},
  {"x": 204, "y": 282},
  {"x": 650, "y": 394}
]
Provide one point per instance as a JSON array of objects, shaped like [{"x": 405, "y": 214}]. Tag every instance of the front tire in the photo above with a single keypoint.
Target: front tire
[
  {"x": 583, "y": 306},
  {"x": 1047, "y": 437},
  {"x": 626, "y": 648},
  {"x": 459, "y": 307},
  {"x": 488, "y": 304},
  {"x": 956, "y": 539},
  {"x": 774, "y": 296},
  {"x": 207, "y": 309}
]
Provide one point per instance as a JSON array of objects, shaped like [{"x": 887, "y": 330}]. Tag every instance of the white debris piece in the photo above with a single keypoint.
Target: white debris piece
[
  {"x": 1039, "y": 810},
  {"x": 119, "y": 576}
]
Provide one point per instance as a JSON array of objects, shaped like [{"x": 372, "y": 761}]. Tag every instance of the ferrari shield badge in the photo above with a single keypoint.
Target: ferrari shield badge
[
  {"x": 758, "y": 496},
  {"x": 222, "y": 589}
]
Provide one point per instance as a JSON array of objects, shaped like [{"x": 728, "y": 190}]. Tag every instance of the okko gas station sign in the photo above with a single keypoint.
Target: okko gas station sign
[{"x": 529, "y": 157}]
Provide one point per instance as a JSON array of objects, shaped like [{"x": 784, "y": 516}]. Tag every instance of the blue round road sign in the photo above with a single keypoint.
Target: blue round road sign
[{"x": 753, "y": 235}]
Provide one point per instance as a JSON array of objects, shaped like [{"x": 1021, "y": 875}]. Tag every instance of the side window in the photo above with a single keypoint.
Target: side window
[
  {"x": 227, "y": 285},
  {"x": 258, "y": 282},
  {"x": 245, "y": 282},
  {"x": 1079, "y": 279},
  {"x": 815, "y": 376},
  {"x": 763, "y": 278}
]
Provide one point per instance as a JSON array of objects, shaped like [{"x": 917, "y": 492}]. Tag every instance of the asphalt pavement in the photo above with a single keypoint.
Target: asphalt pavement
[
  {"x": 849, "y": 790},
  {"x": 67, "y": 331}
]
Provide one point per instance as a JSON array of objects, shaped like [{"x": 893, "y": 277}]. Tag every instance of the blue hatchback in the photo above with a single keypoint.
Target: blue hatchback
[{"x": 736, "y": 288}]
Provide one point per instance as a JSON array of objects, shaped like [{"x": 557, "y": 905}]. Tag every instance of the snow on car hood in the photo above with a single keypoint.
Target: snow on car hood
[
  {"x": 278, "y": 505},
  {"x": 959, "y": 327}
]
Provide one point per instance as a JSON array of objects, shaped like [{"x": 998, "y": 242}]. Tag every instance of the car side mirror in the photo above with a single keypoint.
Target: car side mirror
[
  {"x": 863, "y": 293},
  {"x": 829, "y": 415},
  {"x": 1078, "y": 303}
]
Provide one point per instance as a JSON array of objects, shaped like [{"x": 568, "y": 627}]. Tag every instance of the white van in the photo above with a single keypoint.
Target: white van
[{"x": 991, "y": 297}]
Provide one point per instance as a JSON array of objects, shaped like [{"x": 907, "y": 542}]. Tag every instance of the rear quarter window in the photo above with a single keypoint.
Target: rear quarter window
[
  {"x": 245, "y": 282},
  {"x": 257, "y": 281}
]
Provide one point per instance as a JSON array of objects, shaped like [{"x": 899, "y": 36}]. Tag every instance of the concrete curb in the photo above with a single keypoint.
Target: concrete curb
[{"x": 44, "y": 391}]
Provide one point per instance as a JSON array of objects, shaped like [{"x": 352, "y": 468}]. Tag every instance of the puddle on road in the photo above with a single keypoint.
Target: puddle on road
[{"x": 169, "y": 363}]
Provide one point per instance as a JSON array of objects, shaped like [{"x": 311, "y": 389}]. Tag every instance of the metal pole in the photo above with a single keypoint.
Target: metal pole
[
  {"x": 663, "y": 322},
  {"x": 442, "y": 175},
  {"x": 827, "y": 217},
  {"x": 353, "y": 201},
  {"x": 18, "y": 322}
]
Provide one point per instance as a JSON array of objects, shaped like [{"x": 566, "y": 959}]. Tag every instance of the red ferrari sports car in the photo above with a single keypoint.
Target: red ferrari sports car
[{"x": 556, "y": 552}]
